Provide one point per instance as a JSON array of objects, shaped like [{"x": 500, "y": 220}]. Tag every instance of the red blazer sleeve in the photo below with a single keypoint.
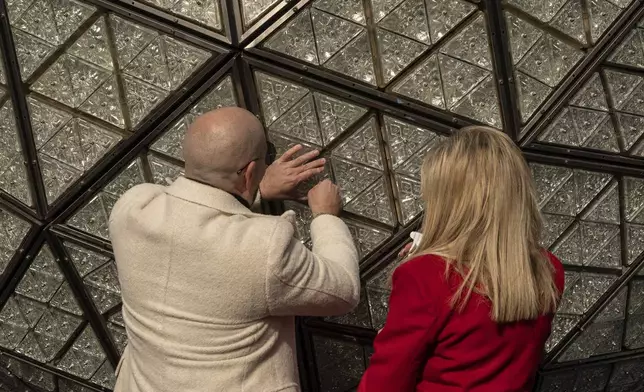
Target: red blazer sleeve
[{"x": 400, "y": 350}]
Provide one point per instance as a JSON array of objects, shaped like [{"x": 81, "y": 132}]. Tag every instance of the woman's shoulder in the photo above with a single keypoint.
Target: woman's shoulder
[{"x": 423, "y": 264}]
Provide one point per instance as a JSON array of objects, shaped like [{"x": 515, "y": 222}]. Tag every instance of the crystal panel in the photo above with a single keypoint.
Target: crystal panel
[
  {"x": 12, "y": 233},
  {"x": 99, "y": 276},
  {"x": 93, "y": 218},
  {"x": 634, "y": 334},
  {"x": 33, "y": 324},
  {"x": 68, "y": 146},
  {"x": 592, "y": 379},
  {"x": 311, "y": 117},
  {"x": 84, "y": 77},
  {"x": 29, "y": 374},
  {"x": 542, "y": 60},
  {"x": 205, "y": 12},
  {"x": 340, "y": 364},
  {"x": 459, "y": 78},
  {"x": 631, "y": 50},
  {"x": 589, "y": 121},
  {"x": 603, "y": 335},
  {"x": 85, "y": 356},
  {"x": 253, "y": 9},
  {"x": 581, "y": 212},
  {"x": 634, "y": 207},
  {"x": 163, "y": 171},
  {"x": 13, "y": 174}
]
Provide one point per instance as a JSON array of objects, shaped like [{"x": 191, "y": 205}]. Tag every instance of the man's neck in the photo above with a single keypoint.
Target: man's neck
[{"x": 239, "y": 198}]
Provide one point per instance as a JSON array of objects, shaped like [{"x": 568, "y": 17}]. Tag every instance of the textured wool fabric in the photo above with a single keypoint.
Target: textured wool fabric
[
  {"x": 426, "y": 346},
  {"x": 210, "y": 289}
]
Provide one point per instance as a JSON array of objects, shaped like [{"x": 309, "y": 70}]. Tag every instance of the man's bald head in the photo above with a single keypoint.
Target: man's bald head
[{"x": 222, "y": 142}]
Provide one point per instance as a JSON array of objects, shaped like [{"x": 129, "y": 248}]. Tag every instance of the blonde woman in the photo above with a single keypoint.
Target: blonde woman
[{"x": 472, "y": 308}]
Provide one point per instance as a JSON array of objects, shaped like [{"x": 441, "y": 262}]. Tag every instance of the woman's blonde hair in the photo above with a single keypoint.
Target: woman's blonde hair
[{"x": 482, "y": 217}]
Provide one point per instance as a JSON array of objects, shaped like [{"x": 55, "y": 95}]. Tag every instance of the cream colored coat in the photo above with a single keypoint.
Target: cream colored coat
[{"x": 210, "y": 289}]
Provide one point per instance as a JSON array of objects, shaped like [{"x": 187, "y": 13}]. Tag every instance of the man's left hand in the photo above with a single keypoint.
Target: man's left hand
[{"x": 287, "y": 172}]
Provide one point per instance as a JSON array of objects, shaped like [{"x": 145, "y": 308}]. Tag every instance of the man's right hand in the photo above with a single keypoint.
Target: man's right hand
[{"x": 325, "y": 198}]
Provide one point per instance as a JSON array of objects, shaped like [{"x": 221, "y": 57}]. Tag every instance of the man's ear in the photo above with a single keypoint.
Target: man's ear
[{"x": 249, "y": 175}]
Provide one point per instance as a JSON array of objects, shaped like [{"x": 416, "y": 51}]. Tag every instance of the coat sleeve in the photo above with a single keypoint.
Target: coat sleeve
[
  {"x": 411, "y": 330},
  {"x": 322, "y": 282}
]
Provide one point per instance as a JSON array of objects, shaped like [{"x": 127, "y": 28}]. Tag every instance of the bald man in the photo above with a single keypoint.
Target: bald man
[{"x": 210, "y": 288}]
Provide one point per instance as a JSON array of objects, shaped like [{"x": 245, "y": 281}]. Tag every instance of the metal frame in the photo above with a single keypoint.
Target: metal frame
[{"x": 239, "y": 54}]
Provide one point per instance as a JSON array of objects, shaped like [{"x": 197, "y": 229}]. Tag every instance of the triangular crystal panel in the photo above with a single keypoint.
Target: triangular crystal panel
[
  {"x": 382, "y": 8},
  {"x": 459, "y": 78},
  {"x": 57, "y": 176},
  {"x": 85, "y": 356},
  {"x": 554, "y": 227},
  {"x": 347, "y": 9},
  {"x": 631, "y": 128},
  {"x": 423, "y": 83},
  {"x": 253, "y": 9},
  {"x": 141, "y": 98},
  {"x": 31, "y": 52},
  {"x": 85, "y": 260},
  {"x": 634, "y": 199},
  {"x": 164, "y": 172},
  {"x": 396, "y": 53},
  {"x": 352, "y": 178},
  {"x": 542, "y": 11},
  {"x": 549, "y": 60},
  {"x": 13, "y": 174},
  {"x": 409, "y": 20},
  {"x": 405, "y": 140},
  {"x": 522, "y": 36},
  {"x": 335, "y": 115},
  {"x": 373, "y": 203},
  {"x": 53, "y": 21},
  {"x": 277, "y": 96},
  {"x": 70, "y": 80},
  {"x": 207, "y": 12},
  {"x": 332, "y": 33},
  {"x": 531, "y": 94},
  {"x": 362, "y": 147},
  {"x": 45, "y": 120},
  {"x": 93, "y": 46},
  {"x": 80, "y": 144},
  {"x": 569, "y": 20},
  {"x": 605, "y": 208},
  {"x": 631, "y": 50},
  {"x": 591, "y": 95},
  {"x": 603, "y": 335},
  {"x": 409, "y": 198},
  {"x": 130, "y": 39},
  {"x": 92, "y": 218},
  {"x": 471, "y": 44},
  {"x": 367, "y": 238},
  {"x": 355, "y": 60},
  {"x": 482, "y": 104},
  {"x": 300, "y": 122},
  {"x": 444, "y": 15},
  {"x": 104, "y": 103},
  {"x": 602, "y": 14},
  {"x": 296, "y": 39}
]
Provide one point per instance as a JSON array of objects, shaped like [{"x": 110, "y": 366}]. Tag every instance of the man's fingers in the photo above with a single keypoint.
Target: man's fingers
[
  {"x": 304, "y": 158},
  {"x": 305, "y": 175},
  {"x": 288, "y": 155},
  {"x": 318, "y": 163}
]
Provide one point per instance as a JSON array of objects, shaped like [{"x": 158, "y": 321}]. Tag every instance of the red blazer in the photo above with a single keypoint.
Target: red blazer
[{"x": 427, "y": 347}]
